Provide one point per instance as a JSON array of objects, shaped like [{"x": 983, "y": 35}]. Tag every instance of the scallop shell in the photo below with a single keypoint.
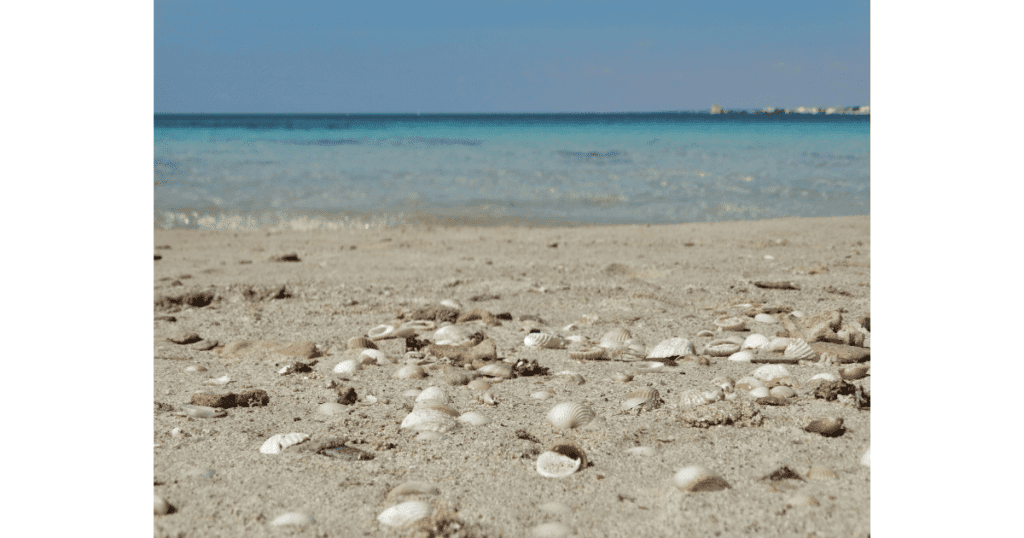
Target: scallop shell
[
  {"x": 749, "y": 383},
  {"x": 689, "y": 398},
  {"x": 766, "y": 318},
  {"x": 696, "y": 478},
  {"x": 730, "y": 324},
  {"x": 405, "y": 514},
  {"x": 817, "y": 472},
  {"x": 769, "y": 372},
  {"x": 544, "y": 340},
  {"x": 561, "y": 459},
  {"x": 360, "y": 342},
  {"x": 478, "y": 384},
  {"x": 755, "y": 341},
  {"x": 411, "y": 371},
  {"x": 348, "y": 367},
  {"x": 496, "y": 369},
  {"x": 473, "y": 418},
  {"x": 798, "y": 350},
  {"x": 553, "y": 529},
  {"x": 782, "y": 391},
  {"x": 854, "y": 373},
  {"x": 646, "y": 397},
  {"x": 570, "y": 415},
  {"x": 721, "y": 348},
  {"x": 281, "y": 441},
  {"x": 673, "y": 347},
  {"x": 589, "y": 354},
  {"x": 377, "y": 356},
  {"x": 432, "y": 393},
  {"x": 742, "y": 356},
  {"x": 426, "y": 419},
  {"x": 293, "y": 518},
  {"x": 381, "y": 331},
  {"x": 778, "y": 344},
  {"x": 615, "y": 335},
  {"x": 760, "y": 392}
]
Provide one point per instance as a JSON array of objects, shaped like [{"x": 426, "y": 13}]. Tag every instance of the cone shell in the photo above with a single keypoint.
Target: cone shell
[
  {"x": 615, "y": 335},
  {"x": 570, "y": 415},
  {"x": 405, "y": 514},
  {"x": 588, "y": 354},
  {"x": 425, "y": 419},
  {"x": 730, "y": 324},
  {"x": 820, "y": 473},
  {"x": 561, "y": 459},
  {"x": 798, "y": 350},
  {"x": 851, "y": 374},
  {"x": 646, "y": 397},
  {"x": 721, "y": 348},
  {"x": 348, "y": 367},
  {"x": 755, "y": 341},
  {"x": 544, "y": 340},
  {"x": 673, "y": 347},
  {"x": 828, "y": 427},
  {"x": 432, "y": 393},
  {"x": 778, "y": 344},
  {"x": 697, "y": 478},
  {"x": 411, "y": 371},
  {"x": 360, "y": 342},
  {"x": 281, "y": 441},
  {"x": 496, "y": 369},
  {"x": 473, "y": 418},
  {"x": 766, "y": 318},
  {"x": 381, "y": 331}
]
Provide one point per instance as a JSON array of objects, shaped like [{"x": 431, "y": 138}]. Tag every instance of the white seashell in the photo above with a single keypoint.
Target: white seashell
[
  {"x": 542, "y": 395},
  {"x": 195, "y": 369},
  {"x": 561, "y": 459},
  {"x": 405, "y": 514},
  {"x": 673, "y": 347},
  {"x": 643, "y": 451},
  {"x": 455, "y": 333},
  {"x": 731, "y": 396},
  {"x": 760, "y": 392},
  {"x": 655, "y": 365},
  {"x": 782, "y": 391},
  {"x": 748, "y": 383},
  {"x": 473, "y": 418},
  {"x": 866, "y": 458},
  {"x": 721, "y": 348},
  {"x": 293, "y": 518},
  {"x": 223, "y": 380},
  {"x": 646, "y": 397},
  {"x": 615, "y": 335},
  {"x": 496, "y": 369},
  {"x": 427, "y": 436},
  {"x": 202, "y": 411},
  {"x": 429, "y": 419},
  {"x": 437, "y": 405},
  {"x": 544, "y": 340},
  {"x": 576, "y": 338},
  {"x": 348, "y": 367},
  {"x": 370, "y": 399},
  {"x": 381, "y": 331},
  {"x": 488, "y": 398},
  {"x": 570, "y": 415},
  {"x": 798, "y": 313},
  {"x": 766, "y": 318},
  {"x": 725, "y": 383},
  {"x": 281, "y": 441},
  {"x": 825, "y": 376},
  {"x": 553, "y": 529},
  {"x": 798, "y": 350},
  {"x": 411, "y": 371},
  {"x": 699, "y": 478},
  {"x": 376, "y": 355},
  {"x": 160, "y": 505},
  {"x": 690, "y": 398},
  {"x": 755, "y": 341},
  {"x": 432, "y": 393},
  {"x": 331, "y": 408},
  {"x": 730, "y": 324},
  {"x": 769, "y": 372},
  {"x": 452, "y": 303},
  {"x": 817, "y": 472},
  {"x": 778, "y": 344},
  {"x": 742, "y": 356}
]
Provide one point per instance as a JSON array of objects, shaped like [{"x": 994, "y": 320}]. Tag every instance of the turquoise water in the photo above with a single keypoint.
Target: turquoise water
[{"x": 339, "y": 171}]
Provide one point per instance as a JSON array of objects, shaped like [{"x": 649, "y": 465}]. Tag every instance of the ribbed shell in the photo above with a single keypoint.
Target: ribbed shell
[
  {"x": 798, "y": 350},
  {"x": 360, "y": 342},
  {"x": 561, "y": 459},
  {"x": 778, "y": 344},
  {"x": 281, "y": 441},
  {"x": 350, "y": 366},
  {"x": 782, "y": 391},
  {"x": 820, "y": 473},
  {"x": 426, "y": 419},
  {"x": 405, "y": 514},
  {"x": 496, "y": 369},
  {"x": 381, "y": 331},
  {"x": 411, "y": 371},
  {"x": 766, "y": 318},
  {"x": 690, "y": 398},
  {"x": 473, "y": 418},
  {"x": 719, "y": 348},
  {"x": 705, "y": 334},
  {"x": 696, "y": 478},
  {"x": 755, "y": 341},
  {"x": 742, "y": 356},
  {"x": 589, "y": 354},
  {"x": 646, "y": 397},
  {"x": 570, "y": 415},
  {"x": 376, "y": 356},
  {"x": 615, "y": 335},
  {"x": 544, "y": 340},
  {"x": 730, "y": 324},
  {"x": 769, "y": 372},
  {"x": 433, "y": 393},
  {"x": 673, "y": 347}
]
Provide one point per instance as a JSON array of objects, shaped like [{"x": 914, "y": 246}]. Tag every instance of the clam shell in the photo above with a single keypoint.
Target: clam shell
[
  {"x": 673, "y": 347},
  {"x": 281, "y": 441},
  {"x": 478, "y": 384},
  {"x": 588, "y": 354},
  {"x": 730, "y": 324},
  {"x": 742, "y": 356},
  {"x": 202, "y": 411},
  {"x": 782, "y": 391},
  {"x": 615, "y": 335},
  {"x": 721, "y": 348},
  {"x": 553, "y": 529},
  {"x": 749, "y": 383},
  {"x": 293, "y": 518},
  {"x": 769, "y": 372},
  {"x": 829, "y": 427},
  {"x": 473, "y": 418},
  {"x": 760, "y": 392},
  {"x": 798, "y": 350},
  {"x": 348, "y": 367},
  {"x": 561, "y": 459},
  {"x": 778, "y": 344},
  {"x": 376, "y": 356},
  {"x": 766, "y": 318},
  {"x": 689, "y": 398},
  {"x": 697, "y": 478},
  {"x": 411, "y": 371},
  {"x": 570, "y": 415},
  {"x": 755, "y": 341},
  {"x": 432, "y": 393},
  {"x": 427, "y": 419},
  {"x": 817, "y": 472},
  {"x": 405, "y": 514},
  {"x": 496, "y": 369},
  {"x": 646, "y": 397},
  {"x": 381, "y": 331},
  {"x": 544, "y": 340},
  {"x": 851, "y": 374},
  {"x": 360, "y": 342}
]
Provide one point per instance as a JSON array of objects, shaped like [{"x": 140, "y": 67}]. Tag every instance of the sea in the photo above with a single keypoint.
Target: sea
[{"x": 348, "y": 171}]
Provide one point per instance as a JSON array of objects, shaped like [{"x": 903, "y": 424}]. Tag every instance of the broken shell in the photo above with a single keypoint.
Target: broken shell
[
  {"x": 496, "y": 369},
  {"x": 820, "y": 473},
  {"x": 829, "y": 427},
  {"x": 432, "y": 393},
  {"x": 331, "y": 408},
  {"x": 730, "y": 324},
  {"x": 755, "y": 341},
  {"x": 478, "y": 384},
  {"x": 360, "y": 342},
  {"x": 405, "y": 514},
  {"x": 427, "y": 419},
  {"x": 589, "y": 354},
  {"x": 348, "y": 367},
  {"x": 857, "y": 372},
  {"x": 488, "y": 398},
  {"x": 798, "y": 313},
  {"x": 782, "y": 391},
  {"x": 615, "y": 335},
  {"x": 696, "y": 478},
  {"x": 801, "y": 500},
  {"x": 381, "y": 331},
  {"x": 742, "y": 356},
  {"x": 281, "y": 441},
  {"x": 714, "y": 395},
  {"x": 195, "y": 368},
  {"x": 473, "y": 418},
  {"x": 721, "y": 348},
  {"x": 778, "y": 344},
  {"x": 561, "y": 459},
  {"x": 201, "y": 411},
  {"x": 766, "y": 318},
  {"x": 799, "y": 350},
  {"x": 705, "y": 334},
  {"x": 769, "y": 372},
  {"x": 553, "y": 529},
  {"x": 749, "y": 383},
  {"x": 621, "y": 377},
  {"x": 376, "y": 356},
  {"x": 673, "y": 347},
  {"x": 293, "y": 518},
  {"x": 542, "y": 395},
  {"x": 689, "y": 398},
  {"x": 222, "y": 380},
  {"x": 544, "y": 340},
  {"x": 646, "y": 397},
  {"x": 411, "y": 371},
  {"x": 570, "y": 415}
]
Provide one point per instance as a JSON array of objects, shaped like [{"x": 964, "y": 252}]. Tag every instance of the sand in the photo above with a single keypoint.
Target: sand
[{"x": 656, "y": 281}]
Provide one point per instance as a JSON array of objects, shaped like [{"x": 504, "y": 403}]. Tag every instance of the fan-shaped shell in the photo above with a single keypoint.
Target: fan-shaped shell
[
  {"x": 798, "y": 350},
  {"x": 742, "y": 356},
  {"x": 689, "y": 398},
  {"x": 769, "y": 372},
  {"x": 721, "y": 348},
  {"x": 646, "y": 397},
  {"x": 496, "y": 369},
  {"x": 730, "y": 324},
  {"x": 281, "y": 441},
  {"x": 588, "y": 354},
  {"x": 766, "y": 318},
  {"x": 293, "y": 518},
  {"x": 673, "y": 347},
  {"x": 377, "y": 356},
  {"x": 570, "y": 415},
  {"x": 411, "y": 371},
  {"x": 381, "y": 331},
  {"x": 544, "y": 340},
  {"x": 696, "y": 478},
  {"x": 405, "y": 514},
  {"x": 615, "y": 335},
  {"x": 473, "y": 418},
  {"x": 360, "y": 342},
  {"x": 778, "y": 344},
  {"x": 427, "y": 419},
  {"x": 755, "y": 341},
  {"x": 432, "y": 393},
  {"x": 561, "y": 459}
]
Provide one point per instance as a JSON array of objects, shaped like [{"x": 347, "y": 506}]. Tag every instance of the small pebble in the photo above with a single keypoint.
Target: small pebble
[{"x": 160, "y": 505}]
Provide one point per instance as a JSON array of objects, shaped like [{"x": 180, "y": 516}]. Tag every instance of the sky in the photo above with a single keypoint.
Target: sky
[{"x": 389, "y": 56}]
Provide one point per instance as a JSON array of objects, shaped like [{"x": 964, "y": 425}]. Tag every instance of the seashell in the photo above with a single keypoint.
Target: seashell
[
  {"x": 798, "y": 313},
  {"x": 570, "y": 415},
  {"x": 552, "y": 529},
  {"x": 542, "y": 395},
  {"x": 725, "y": 383},
  {"x": 817, "y": 472},
  {"x": 705, "y": 334},
  {"x": 643, "y": 451},
  {"x": 782, "y": 391},
  {"x": 437, "y": 405},
  {"x": 456, "y": 333},
  {"x": 160, "y": 505},
  {"x": 452, "y": 303},
  {"x": 371, "y": 399},
  {"x": 634, "y": 349},
  {"x": 778, "y": 344},
  {"x": 381, "y": 331},
  {"x": 544, "y": 340},
  {"x": 621, "y": 377},
  {"x": 478, "y": 384},
  {"x": 348, "y": 367},
  {"x": 825, "y": 376},
  {"x": 721, "y": 348},
  {"x": 755, "y": 341},
  {"x": 496, "y": 369},
  {"x": 281, "y": 441},
  {"x": 769, "y": 372},
  {"x": 432, "y": 393},
  {"x": 829, "y": 427},
  {"x": 561, "y": 459},
  {"x": 646, "y": 397},
  {"x": 410, "y": 371},
  {"x": 360, "y": 342},
  {"x": 488, "y": 398},
  {"x": 376, "y": 356},
  {"x": 801, "y": 500},
  {"x": 405, "y": 514},
  {"x": 428, "y": 419},
  {"x": 798, "y": 350},
  {"x": 866, "y": 458},
  {"x": 473, "y": 418},
  {"x": 689, "y": 398},
  {"x": 851, "y": 374},
  {"x": 293, "y": 518},
  {"x": 749, "y": 383},
  {"x": 202, "y": 411},
  {"x": 413, "y": 487},
  {"x": 766, "y": 318},
  {"x": 696, "y": 478},
  {"x": 713, "y": 396},
  {"x": 418, "y": 325},
  {"x": 615, "y": 335},
  {"x": 742, "y": 356},
  {"x": 222, "y": 380},
  {"x": 673, "y": 347},
  {"x": 730, "y": 324},
  {"x": 760, "y": 392},
  {"x": 331, "y": 408},
  {"x": 588, "y": 354}
]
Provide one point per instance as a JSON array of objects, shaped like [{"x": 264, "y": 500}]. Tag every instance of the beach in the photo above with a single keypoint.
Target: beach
[{"x": 280, "y": 290}]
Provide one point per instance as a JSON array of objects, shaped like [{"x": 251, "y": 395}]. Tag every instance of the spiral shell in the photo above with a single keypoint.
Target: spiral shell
[
  {"x": 570, "y": 415},
  {"x": 673, "y": 347},
  {"x": 561, "y": 459},
  {"x": 473, "y": 418},
  {"x": 427, "y": 419},
  {"x": 375, "y": 356},
  {"x": 281, "y": 441},
  {"x": 778, "y": 344},
  {"x": 766, "y": 318},
  {"x": 411, "y": 371},
  {"x": 433, "y": 393},
  {"x": 721, "y": 348},
  {"x": 544, "y": 340},
  {"x": 381, "y": 331},
  {"x": 588, "y": 354},
  {"x": 755, "y": 341},
  {"x": 348, "y": 367},
  {"x": 798, "y": 350},
  {"x": 742, "y": 356},
  {"x": 730, "y": 324},
  {"x": 405, "y": 514},
  {"x": 615, "y": 335},
  {"x": 360, "y": 342},
  {"x": 693, "y": 397},
  {"x": 646, "y": 397},
  {"x": 496, "y": 369},
  {"x": 697, "y": 478}
]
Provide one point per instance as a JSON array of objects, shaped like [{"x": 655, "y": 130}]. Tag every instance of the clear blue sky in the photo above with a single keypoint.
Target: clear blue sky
[{"x": 507, "y": 56}]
